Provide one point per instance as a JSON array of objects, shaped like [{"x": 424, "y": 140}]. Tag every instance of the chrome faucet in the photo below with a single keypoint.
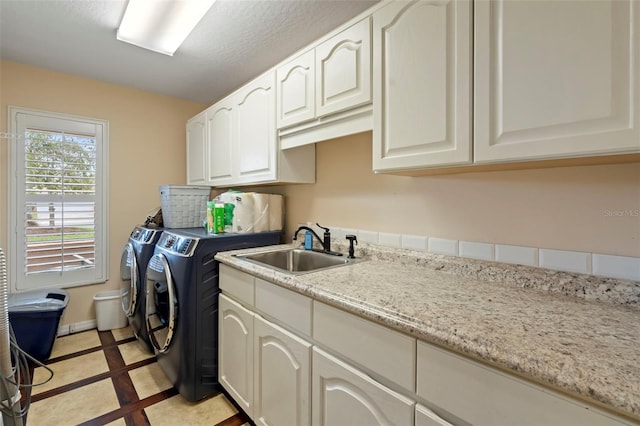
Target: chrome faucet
[{"x": 326, "y": 241}]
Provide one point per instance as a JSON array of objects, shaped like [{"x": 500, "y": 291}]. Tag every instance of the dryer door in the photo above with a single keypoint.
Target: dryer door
[
  {"x": 162, "y": 303},
  {"x": 129, "y": 277}
]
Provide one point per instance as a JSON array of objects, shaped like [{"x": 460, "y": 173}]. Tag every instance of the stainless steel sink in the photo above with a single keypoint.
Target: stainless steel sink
[{"x": 297, "y": 261}]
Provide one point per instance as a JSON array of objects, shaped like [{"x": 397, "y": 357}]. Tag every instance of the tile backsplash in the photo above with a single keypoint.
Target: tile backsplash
[{"x": 560, "y": 260}]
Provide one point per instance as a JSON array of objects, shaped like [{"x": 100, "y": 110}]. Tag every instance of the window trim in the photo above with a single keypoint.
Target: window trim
[{"x": 102, "y": 196}]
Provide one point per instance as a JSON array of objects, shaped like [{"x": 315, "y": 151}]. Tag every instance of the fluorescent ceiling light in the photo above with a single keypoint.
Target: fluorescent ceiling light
[{"x": 161, "y": 25}]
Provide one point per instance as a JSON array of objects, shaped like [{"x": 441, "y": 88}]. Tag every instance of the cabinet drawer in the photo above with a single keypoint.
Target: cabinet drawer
[
  {"x": 387, "y": 352},
  {"x": 291, "y": 308},
  {"x": 482, "y": 395},
  {"x": 237, "y": 284}
]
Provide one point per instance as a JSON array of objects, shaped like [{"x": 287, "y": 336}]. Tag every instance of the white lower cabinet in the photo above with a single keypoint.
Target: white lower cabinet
[
  {"x": 282, "y": 383},
  {"x": 426, "y": 417},
  {"x": 343, "y": 395},
  {"x": 310, "y": 363},
  {"x": 235, "y": 361},
  {"x": 481, "y": 395}
]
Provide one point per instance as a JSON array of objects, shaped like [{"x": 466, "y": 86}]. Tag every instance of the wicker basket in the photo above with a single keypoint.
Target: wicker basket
[{"x": 184, "y": 206}]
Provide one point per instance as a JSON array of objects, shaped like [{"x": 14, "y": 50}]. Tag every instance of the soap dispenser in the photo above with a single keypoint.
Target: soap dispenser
[{"x": 308, "y": 240}]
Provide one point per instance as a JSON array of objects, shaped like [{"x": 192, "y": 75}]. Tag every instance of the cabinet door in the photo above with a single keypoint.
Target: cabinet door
[
  {"x": 236, "y": 352},
  {"x": 256, "y": 131},
  {"x": 422, "y": 85},
  {"x": 220, "y": 132},
  {"x": 296, "y": 90},
  {"x": 196, "y": 150},
  {"x": 556, "y": 79},
  {"x": 282, "y": 376},
  {"x": 343, "y": 395},
  {"x": 343, "y": 70}
]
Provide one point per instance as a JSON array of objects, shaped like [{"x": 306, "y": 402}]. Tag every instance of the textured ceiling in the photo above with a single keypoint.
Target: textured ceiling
[{"x": 234, "y": 42}]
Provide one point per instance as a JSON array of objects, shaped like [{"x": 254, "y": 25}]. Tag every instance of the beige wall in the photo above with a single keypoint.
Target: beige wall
[
  {"x": 145, "y": 130},
  {"x": 560, "y": 208}
]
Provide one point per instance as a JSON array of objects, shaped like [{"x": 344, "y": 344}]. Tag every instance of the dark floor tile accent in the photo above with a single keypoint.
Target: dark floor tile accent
[
  {"x": 124, "y": 389},
  {"x": 122, "y": 383},
  {"x": 73, "y": 355},
  {"x": 88, "y": 351},
  {"x": 92, "y": 379},
  {"x": 131, "y": 409},
  {"x": 137, "y": 418},
  {"x": 106, "y": 338},
  {"x": 70, "y": 386},
  {"x": 125, "y": 340},
  {"x": 150, "y": 400},
  {"x": 242, "y": 415},
  {"x": 137, "y": 364},
  {"x": 237, "y": 420}
]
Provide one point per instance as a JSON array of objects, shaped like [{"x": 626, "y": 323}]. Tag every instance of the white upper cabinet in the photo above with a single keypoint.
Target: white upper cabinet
[
  {"x": 343, "y": 65},
  {"x": 256, "y": 131},
  {"x": 422, "y": 85},
  {"x": 325, "y": 92},
  {"x": 238, "y": 145},
  {"x": 220, "y": 137},
  {"x": 556, "y": 79},
  {"x": 196, "y": 149},
  {"x": 296, "y": 90}
]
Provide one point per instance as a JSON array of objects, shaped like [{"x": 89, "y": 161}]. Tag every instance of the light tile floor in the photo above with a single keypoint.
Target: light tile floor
[
  {"x": 212, "y": 411},
  {"x": 134, "y": 391},
  {"x": 149, "y": 380},
  {"x": 76, "y": 406},
  {"x": 70, "y": 371},
  {"x": 133, "y": 352}
]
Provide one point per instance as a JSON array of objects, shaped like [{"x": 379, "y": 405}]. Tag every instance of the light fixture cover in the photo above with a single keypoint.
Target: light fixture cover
[{"x": 161, "y": 25}]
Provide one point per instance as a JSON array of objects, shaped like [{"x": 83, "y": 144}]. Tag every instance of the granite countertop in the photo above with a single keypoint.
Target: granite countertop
[{"x": 577, "y": 333}]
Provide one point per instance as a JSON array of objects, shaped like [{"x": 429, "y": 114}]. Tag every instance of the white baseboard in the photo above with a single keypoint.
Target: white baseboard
[{"x": 77, "y": 327}]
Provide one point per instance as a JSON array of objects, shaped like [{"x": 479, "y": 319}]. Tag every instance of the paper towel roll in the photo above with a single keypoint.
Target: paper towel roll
[
  {"x": 243, "y": 214},
  {"x": 240, "y": 218},
  {"x": 260, "y": 212},
  {"x": 276, "y": 212}
]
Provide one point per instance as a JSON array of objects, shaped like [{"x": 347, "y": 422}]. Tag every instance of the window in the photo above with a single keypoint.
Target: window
[{"x": 58, "y": 208}]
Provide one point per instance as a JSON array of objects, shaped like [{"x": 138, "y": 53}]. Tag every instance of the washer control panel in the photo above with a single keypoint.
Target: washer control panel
[
  {"x": 144, "y": 235},
  {"x": 183, "y": 246}
]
